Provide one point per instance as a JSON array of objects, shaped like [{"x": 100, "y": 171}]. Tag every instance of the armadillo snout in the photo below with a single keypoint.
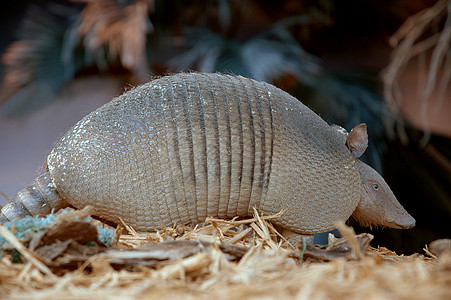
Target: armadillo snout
[
  {"x": 402, "y": 221},
  {"x": 37, "y": 199}
]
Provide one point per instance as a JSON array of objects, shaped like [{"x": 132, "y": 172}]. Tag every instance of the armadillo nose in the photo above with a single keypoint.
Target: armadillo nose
[
  {"x": 411, "y": 223},
  {"x": 406, "y": 222}
]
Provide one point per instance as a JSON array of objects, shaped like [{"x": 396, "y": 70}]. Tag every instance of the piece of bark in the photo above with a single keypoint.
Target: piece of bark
[
  {"x": 78, "y": 231},
  {"x": 157, "y": 254}
]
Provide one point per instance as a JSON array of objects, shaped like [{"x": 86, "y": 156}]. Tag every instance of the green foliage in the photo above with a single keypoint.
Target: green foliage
[
  {"x": 265, "y": 57},
  {"x": 47, "y": 57}
]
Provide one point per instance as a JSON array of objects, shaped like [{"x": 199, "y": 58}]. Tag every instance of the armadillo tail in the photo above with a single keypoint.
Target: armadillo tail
[{"x": 37, "y": 199}]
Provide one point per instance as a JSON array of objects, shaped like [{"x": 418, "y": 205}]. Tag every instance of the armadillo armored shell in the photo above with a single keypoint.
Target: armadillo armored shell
[{"x": 187, "y": 146}]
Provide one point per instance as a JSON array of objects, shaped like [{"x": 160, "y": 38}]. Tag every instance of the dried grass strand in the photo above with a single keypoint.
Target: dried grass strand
[
  {"x": 5, "y": 196},
  {"x": 406, "y": 47},
  {"x": 245, "y": 221},
  {"x": 349, "y": 234}
]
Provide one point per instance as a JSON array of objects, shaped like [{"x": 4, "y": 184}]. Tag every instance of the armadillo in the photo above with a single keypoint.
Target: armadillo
[{"x": 191, "y": 145}]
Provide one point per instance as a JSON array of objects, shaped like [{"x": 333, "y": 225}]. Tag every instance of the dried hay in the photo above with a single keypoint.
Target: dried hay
[
  {"x": 224, "y": 259},
  {"x": 421, "y": 37}
]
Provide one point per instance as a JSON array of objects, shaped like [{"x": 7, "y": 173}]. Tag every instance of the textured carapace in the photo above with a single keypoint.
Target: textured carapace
[{"x": 187, "y": 146}]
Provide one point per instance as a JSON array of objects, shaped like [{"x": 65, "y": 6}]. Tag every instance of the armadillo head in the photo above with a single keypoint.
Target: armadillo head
[{"x": 378, "y": 205}]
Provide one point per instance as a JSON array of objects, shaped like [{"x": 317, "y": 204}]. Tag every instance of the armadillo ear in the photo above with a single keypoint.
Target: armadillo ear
[
  {"x": 341, "y": 132},
  {"x": 357, "y": 140}
]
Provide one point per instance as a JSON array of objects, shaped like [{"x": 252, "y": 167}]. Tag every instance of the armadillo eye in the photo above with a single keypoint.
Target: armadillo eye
[{"x": 375, "y": 186}]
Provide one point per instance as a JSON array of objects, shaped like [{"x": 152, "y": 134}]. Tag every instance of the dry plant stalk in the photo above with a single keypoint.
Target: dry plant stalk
[
  {"x": 5, "y": 196},
  {"x": 408, "y": 44},
  {"x": 122, "y": 29},
  {"x": 349, "y": 234}
]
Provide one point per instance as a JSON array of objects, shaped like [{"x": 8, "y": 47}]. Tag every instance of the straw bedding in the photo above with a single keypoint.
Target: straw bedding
[{"x": 244, "y": 259}]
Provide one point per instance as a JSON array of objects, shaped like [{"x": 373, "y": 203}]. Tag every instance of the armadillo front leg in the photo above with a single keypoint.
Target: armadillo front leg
[{"x": 37, "y": 199}]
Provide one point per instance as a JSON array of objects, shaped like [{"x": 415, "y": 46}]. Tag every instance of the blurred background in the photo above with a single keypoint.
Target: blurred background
[{"x": 385, "y": 63}]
